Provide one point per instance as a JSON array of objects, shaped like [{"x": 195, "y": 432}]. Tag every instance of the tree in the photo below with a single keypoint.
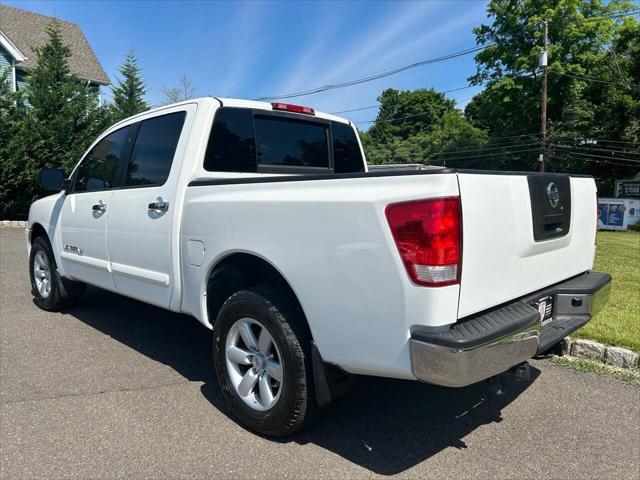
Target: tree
[
  {"x": 185, "y": 90},
  {"x": 404, "y": 113},
  {"x": 10, "y": 120},
  {"x": 128, "y": 93},
  {"x": 580, "y": 63},
  {"x": 416, "y": 126},
  {"x": 60, "y": 119}
]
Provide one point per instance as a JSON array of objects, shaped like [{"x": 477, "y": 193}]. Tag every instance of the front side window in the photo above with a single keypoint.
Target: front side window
[
  {"x": 286, "y": 142},
  {"x": 154, "y": 149},
  {"x": 231, "y": 145},
  {"x": 347, "y": 157},
  {"x": 98, "y": 169}
]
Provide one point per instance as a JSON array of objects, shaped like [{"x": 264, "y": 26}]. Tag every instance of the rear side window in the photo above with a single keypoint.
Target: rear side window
[
  {"x": 231, "y": 145},
  {"x": 347, "y": 157},
  {"x": 154, "y": 150},
  {"x": 291, "y": 143},
  {"x": 98, "y": 169}
]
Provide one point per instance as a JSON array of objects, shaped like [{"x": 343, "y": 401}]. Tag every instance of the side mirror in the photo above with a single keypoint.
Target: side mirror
[{"x": 51, "y": 179}]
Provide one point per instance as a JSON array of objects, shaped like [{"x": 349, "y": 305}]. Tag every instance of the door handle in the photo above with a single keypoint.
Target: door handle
[
  {"x": 100, "y": 207},
  {"x": 159, "y": 205}
]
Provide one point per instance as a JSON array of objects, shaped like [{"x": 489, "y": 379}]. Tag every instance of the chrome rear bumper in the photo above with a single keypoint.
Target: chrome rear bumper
[{"x": 492, "y": 342}]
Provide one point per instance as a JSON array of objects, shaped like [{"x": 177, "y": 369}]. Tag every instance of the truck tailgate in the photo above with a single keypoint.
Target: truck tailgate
[{"x": 521, "y": 233}]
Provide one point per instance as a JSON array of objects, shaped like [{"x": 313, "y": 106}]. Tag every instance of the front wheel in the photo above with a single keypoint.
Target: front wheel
[
  {"x": 262, "y": 360},
  {"x": 50, "y": 291}
]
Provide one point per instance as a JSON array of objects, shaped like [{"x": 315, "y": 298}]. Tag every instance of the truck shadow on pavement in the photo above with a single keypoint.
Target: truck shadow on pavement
[{"x": 386, "y": 426}]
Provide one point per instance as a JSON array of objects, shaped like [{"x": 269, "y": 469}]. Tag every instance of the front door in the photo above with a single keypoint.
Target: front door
[
  {"x": 141, "y": 213},
  {"x": 86, "y": 211},
  {"x": 84, "y": 238}
]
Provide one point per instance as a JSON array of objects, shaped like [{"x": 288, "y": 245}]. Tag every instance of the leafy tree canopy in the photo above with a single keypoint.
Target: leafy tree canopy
[
  {"x": 416, "y": 126},
  {"x": 404, "y": 113},
  {"x": 593, "y": 90}
]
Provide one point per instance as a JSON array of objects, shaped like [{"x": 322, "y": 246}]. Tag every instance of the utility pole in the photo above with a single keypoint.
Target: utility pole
[{"x": 543, "y": 106}]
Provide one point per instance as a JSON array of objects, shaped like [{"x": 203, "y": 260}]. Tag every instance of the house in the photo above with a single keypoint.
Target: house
[{"x": 20, "y": 31}]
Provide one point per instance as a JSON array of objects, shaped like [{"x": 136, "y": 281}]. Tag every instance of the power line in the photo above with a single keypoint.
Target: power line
[
  {"x": 605, "y": 151},
  {"x": 599, "y": 162},
  {"x": 615, "y": 141},
  {"x": 511, "y": 152},
  {"x": 484, "y": 149},
  {"x": 356, "y": 109},
  {"x": 378, "y": 104},
  {"x": 590, "y": 155},
  {"x": 622, "y": 13},
  {"x": 473, "y": 153},
  {"x": 594, "y": 79},
  {"x": 592, "y": 144},
  {"x": 395, "y": 119},
  {"x": 376, "y": 76}
]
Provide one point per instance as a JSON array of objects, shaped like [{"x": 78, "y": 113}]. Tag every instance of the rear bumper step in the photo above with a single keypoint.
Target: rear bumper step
[{"x": 491, "y": 342}]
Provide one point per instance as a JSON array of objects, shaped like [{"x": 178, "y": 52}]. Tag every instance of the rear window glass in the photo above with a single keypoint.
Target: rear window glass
[
  {"x": 231, "y": 145},
  {"x": 278, "y": 141},
  {"x": 154, "y": 149},
  {"x": 291, "y": 143},
  {"x": 347, "y": 157}
]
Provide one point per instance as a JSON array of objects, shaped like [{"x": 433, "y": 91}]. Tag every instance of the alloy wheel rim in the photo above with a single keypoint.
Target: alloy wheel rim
[
  {"x": 42, "y": 274},
  {"x": 254, "y": 364}
]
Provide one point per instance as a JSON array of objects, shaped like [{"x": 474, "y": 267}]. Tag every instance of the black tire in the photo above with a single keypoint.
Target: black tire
[
  {"x": 296, "y": 405},
  {"x": 62, "y": 292}
]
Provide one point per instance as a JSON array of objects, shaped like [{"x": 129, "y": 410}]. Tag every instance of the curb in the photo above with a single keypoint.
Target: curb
[
  {"x": 619, "y": 357},
  {"x": 14, "y": 223}
]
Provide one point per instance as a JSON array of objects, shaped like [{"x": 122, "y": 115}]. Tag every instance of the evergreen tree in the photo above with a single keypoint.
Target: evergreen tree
[
  {"x": 128, "y": 94},
  {"x": 60, "y": 119},
  {"x": 10, "y": 121}
]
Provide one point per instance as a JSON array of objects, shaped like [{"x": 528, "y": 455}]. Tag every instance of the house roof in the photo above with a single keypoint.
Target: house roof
[{"x": 26, "y": 30}]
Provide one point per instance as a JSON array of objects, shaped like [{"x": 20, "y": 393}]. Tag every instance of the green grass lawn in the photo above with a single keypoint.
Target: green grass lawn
[{"x": 619, "y": 323}]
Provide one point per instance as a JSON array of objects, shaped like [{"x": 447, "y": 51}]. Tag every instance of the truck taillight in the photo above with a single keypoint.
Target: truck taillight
[{"x": 428, "y": 234}]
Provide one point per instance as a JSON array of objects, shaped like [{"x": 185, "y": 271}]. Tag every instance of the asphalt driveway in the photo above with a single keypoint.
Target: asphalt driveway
[{"x": 116, "y": 388}]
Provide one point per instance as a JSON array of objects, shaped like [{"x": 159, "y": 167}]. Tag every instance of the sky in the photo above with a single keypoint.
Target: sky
[{"x": 256, "y": 49}]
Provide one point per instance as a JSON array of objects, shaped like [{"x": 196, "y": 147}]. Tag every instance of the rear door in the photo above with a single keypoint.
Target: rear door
[
  {"x": 142, "y": 212},
  {"x": 521, "y": 233}
]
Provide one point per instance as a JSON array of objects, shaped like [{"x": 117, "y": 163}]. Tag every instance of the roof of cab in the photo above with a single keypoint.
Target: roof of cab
[{"x": 239, "y": 103}]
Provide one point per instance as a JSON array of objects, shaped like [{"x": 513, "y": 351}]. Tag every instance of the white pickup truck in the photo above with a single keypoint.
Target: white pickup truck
[{"x": 263, "y": 222}]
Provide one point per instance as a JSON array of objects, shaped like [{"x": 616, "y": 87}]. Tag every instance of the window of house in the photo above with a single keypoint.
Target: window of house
[
  {"x": 98, "y": 169},
  {"x": 231, "y": 145},
  {"x": 285, "y": 142},
  {"x": 347, "y": 157},
  {"x": 154, "y": 150}
]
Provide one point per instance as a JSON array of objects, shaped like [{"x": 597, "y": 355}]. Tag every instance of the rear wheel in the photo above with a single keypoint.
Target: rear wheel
[
  {"x": 263, "y": 362},
  {"x": 49, "y": 290}
]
